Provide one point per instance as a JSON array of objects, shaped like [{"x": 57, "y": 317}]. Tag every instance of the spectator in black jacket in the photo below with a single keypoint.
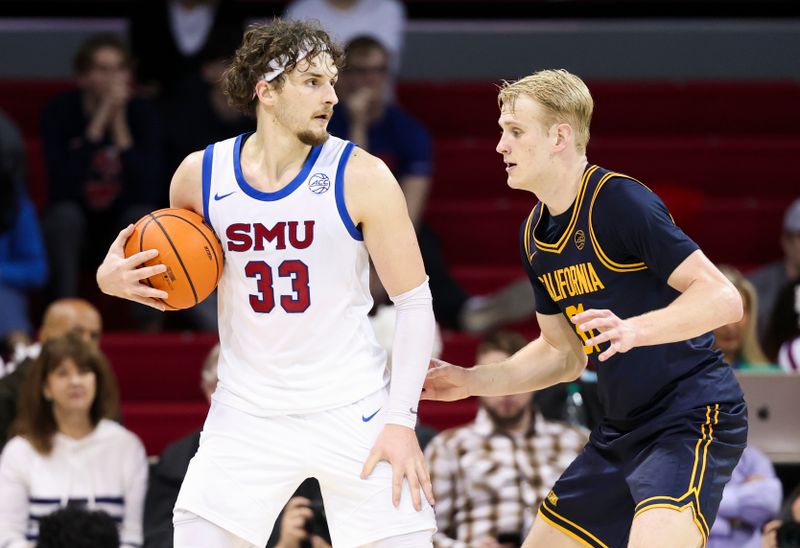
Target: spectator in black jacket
[{"x": 103, "y": 153}]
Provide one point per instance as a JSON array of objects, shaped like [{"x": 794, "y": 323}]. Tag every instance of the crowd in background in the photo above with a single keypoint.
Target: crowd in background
[{"x": 110, "y": 147}]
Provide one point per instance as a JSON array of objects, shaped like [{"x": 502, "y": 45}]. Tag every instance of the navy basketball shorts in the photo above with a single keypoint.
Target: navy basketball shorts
[{"x": 676, "y": 460}]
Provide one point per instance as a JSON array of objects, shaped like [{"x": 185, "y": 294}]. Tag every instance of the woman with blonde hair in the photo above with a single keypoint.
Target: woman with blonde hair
[
  {"x": 738, "y": 341},
  {"x": 66, "y": 450}
]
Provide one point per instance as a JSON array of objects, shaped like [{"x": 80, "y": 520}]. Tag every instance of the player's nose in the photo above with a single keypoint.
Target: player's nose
[
  {"x": 332, "y": 98},
  {"x": 501, "y": 147}
]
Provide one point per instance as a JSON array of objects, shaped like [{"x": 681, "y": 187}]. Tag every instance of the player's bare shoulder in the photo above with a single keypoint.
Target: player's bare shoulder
[
  {"x": 369, "y": 184},
  {"x": 186, "y": 188}
]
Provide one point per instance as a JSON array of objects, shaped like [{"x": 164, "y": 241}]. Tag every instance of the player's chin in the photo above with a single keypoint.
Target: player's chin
[{"x": 512, "y": 182}]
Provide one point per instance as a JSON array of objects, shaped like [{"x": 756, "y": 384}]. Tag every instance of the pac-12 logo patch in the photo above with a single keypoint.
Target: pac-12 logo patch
[
  {"x": 580, "y": 239},
  {"x": 319, "y": 183}
]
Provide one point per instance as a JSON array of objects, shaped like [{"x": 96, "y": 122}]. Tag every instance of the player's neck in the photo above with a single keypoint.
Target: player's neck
[
  {"x": 272, "y": 157},
  {"x": 563, "y": 185}
]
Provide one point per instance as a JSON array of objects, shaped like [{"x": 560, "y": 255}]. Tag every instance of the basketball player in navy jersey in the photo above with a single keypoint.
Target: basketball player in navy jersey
[
  {"x": 302, "y": 380},
  {"x": 618, "y": 283}
]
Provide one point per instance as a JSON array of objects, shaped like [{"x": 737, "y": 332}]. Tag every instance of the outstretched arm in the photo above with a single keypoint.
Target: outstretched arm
[{"x": 555, "y": 356}]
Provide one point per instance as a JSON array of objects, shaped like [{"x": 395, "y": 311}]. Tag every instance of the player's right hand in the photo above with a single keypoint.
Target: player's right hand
[
  {"x": 445, "y": 382},
  {"x": 119, "y": 276}
]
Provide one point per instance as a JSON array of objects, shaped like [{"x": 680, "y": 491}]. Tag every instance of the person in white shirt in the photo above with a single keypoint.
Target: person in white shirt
[{"x": 66, "y": 451}]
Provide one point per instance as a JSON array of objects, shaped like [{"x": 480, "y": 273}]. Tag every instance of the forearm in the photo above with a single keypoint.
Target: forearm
[
  {"x": 121, "y": 133},
  {"x": 536, "y": 366},
  {"x": 704, "y": 306},
  {"x": 411, "y": 353}
]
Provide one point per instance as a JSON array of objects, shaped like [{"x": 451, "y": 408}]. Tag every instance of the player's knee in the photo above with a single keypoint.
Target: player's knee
[
  {"x": 665, "y": 528},
  {"x": 417, "y": 539}
]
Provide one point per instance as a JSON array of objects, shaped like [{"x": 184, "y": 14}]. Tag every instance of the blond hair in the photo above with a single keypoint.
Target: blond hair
[
  {"x": 751, "y": 351},
  {"x": 564, "y": 97}
]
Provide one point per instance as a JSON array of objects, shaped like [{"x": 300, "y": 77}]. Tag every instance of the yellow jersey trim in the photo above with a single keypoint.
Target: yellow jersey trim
[
  {"x": 558, "y": 247},
  {"x": 696, "y": 480},
  {"x": 607, "y": 262},
  {"x": 546, "y": 507},
  {"x": 527, "y": 233}
]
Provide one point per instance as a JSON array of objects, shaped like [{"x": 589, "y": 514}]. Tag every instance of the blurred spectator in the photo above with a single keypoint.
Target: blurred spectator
[
  {"x": 102, "y": 150},
  {"x": 171, "y": 39},
  {"x": 198, "y": 113},
  {"x": 784, "y": 532},
  {"x": 750, "y": 499},
  {"x": 167, "y": 474},
  {"x": 769, "y": 279},
  {"x": 490, "y": 476},
  {"x": 61, "y": 317},
  {"x": 74, "y": 527},
  {"x": 368, "y": 117},
  {"x": 345, "y": 20},
  {"x": 23, "y": 264},
  {"x": 782, "y": 340},
  {"x": 66, "y": 450},
  {"x": 738, "y": 341}
]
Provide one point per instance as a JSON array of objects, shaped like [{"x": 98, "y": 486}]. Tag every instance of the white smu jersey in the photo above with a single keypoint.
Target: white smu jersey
[{"x": 294, "y": 294}]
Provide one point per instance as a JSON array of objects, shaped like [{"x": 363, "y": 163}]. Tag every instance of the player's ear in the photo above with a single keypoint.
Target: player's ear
[
  {"x": 265, "y": 92},
  {"x": 563, "y": 137}
]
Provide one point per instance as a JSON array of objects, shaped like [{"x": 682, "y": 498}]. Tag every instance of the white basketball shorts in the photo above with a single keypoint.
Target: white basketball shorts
[{"x": 247, "y": 468}]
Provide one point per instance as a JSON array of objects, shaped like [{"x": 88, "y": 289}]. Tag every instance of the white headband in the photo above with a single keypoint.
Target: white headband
[{"x": 277, "y": 66}]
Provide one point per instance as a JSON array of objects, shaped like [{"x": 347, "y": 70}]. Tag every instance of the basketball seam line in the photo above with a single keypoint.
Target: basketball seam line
[
  {"x": 178, "y": 255},
  {"x": 211, "y": 247}
]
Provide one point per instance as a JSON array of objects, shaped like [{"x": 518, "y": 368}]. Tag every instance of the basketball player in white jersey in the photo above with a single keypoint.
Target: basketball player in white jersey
[{"x": 302, "y": 381}]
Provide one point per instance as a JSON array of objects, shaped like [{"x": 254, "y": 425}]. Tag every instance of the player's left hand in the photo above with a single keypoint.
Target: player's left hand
[
  {"x": 619, "y": 333},
  {"x": 398, "y": 446}
]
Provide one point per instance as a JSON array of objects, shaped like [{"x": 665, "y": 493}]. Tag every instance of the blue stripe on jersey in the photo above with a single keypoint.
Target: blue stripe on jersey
[
  {"x": 340, "y": 204},
  {"x": 208, "y": 157},
  {"x": 270, "y": 196}
]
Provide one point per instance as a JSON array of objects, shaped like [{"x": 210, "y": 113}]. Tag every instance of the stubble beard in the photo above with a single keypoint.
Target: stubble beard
[{"x": 312, "y": 138}]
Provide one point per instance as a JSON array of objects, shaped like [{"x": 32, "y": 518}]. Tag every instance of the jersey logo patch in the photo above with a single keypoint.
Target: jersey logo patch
[
  {"x": 580, "y": 239},
  {"x": 319, "y": 183}
]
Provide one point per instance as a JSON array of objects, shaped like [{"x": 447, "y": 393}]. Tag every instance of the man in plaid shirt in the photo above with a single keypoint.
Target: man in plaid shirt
[{"x": 490, "y": 476}]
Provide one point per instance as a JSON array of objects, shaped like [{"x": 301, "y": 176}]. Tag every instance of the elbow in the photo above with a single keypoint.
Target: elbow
[
  {"x": 731, "y": 304},
  {"x": 575, "y": 363}
]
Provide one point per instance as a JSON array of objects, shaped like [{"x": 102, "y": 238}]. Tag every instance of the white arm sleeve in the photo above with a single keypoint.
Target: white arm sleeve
[{"x": 411, "y": 352}]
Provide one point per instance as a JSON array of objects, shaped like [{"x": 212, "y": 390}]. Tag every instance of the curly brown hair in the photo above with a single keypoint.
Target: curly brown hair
[
  {"x": 264, "y": 42},
  {"x": 35, "y": 420}
]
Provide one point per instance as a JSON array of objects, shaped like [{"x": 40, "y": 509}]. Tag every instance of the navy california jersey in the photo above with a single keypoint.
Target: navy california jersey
[{"x": 614, "y": 249}]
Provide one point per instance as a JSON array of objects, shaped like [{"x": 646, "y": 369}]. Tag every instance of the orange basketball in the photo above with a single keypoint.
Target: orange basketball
[{"x": 187, "y": 246}]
